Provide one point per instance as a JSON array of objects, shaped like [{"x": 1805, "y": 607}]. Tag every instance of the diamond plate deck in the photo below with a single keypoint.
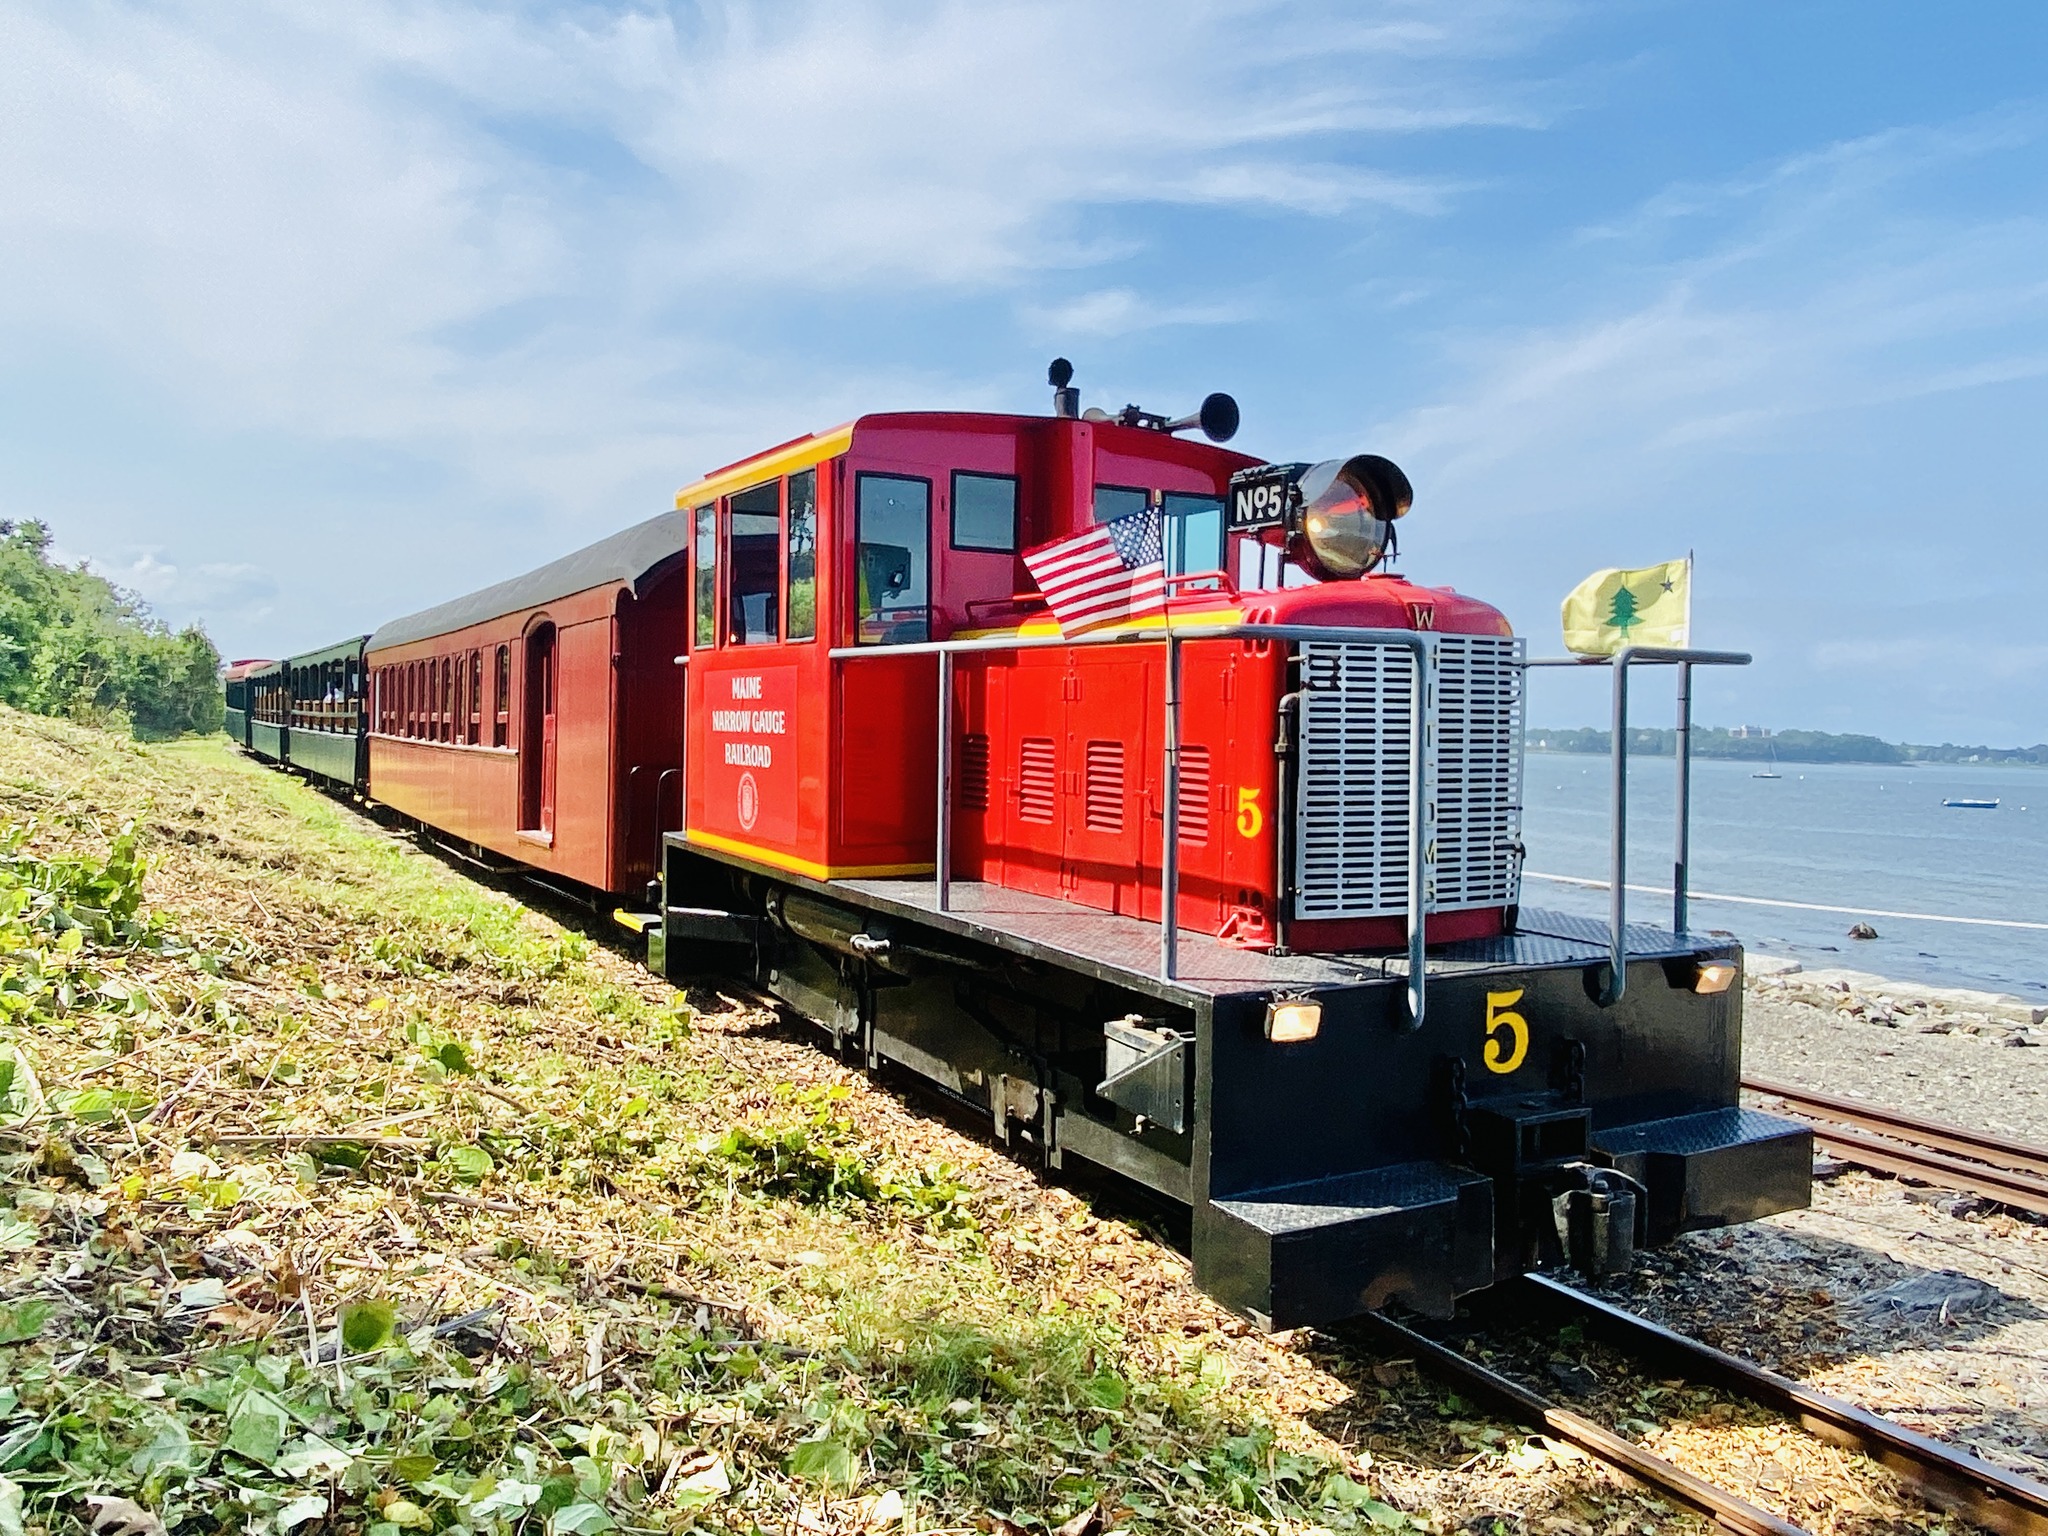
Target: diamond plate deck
[
  {"x": 1347, "y": 1197},
  {"x": 1708, "y": 1131},
  {"x": 1126, "y": 951}
]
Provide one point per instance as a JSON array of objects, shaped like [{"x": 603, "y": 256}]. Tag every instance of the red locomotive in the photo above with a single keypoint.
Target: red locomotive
[{"x": 923, "y": 722}]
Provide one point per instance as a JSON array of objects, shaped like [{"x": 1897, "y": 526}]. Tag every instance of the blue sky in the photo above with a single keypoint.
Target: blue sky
[{"x": 311, "y": 315}]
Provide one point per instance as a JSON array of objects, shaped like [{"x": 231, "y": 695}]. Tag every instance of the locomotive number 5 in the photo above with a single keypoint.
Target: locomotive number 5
[
  {"x": 1507, "y": 1032},
  {"x": 1250, "y": 819}
]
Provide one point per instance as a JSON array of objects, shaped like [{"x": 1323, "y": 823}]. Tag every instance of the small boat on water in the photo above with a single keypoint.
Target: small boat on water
[
  {"x": 1957, "y": 803},
  {"x": 1770, "y": 769}
]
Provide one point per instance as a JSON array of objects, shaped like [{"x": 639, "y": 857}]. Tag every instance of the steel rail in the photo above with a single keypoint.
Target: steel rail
[
  {"x": 1725, "y": 1509},
  {"x": 1948, "y": 1478},
  {"x": 2019, "y": 1190},
  {"x": 2010, "y": 1156}
]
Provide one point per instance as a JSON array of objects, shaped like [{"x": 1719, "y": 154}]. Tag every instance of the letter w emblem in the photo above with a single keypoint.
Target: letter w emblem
[{"x": 1422, "y": 615}]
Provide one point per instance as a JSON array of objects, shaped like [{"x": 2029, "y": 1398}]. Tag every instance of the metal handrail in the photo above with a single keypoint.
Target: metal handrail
[
  {"x": 1421, "y": 847},
  {"x": 1685, "y": 660}
]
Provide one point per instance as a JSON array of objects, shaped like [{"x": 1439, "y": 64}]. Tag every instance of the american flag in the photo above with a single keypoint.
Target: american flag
[{"x": 1108, "y": 575}]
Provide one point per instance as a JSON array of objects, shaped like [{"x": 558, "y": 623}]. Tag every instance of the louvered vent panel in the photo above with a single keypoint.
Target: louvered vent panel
[
  {"x": 1195, "y": 796},
  {"x": 1478, "y": 763},
  {"x": 1103, "y": 807},
  {"x": 1037, "y": 781},
  {"x": 973, "y": 772},
  {"x": 1352, "y": 811}
]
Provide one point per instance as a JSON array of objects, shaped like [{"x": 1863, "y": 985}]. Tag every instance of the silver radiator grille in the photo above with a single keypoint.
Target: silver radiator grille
[{"x": 1351, "y": 813}]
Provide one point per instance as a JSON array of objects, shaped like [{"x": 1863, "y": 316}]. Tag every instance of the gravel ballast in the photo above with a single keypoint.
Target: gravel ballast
[{"x": 1964, "y": 1067}]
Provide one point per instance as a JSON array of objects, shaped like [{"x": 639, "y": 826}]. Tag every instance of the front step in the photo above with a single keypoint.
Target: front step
[
  {"x": 685, "y": 940},
  {"x": 1328, "y": 1249},
  {"x": 1717, "y": 1168}
]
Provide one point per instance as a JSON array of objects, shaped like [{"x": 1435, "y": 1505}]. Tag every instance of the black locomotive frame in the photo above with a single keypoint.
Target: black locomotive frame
[{"x": 1374, "y": 1163}]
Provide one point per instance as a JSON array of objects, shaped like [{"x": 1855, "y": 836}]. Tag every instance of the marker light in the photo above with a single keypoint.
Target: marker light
[
  {"x": 1715, "y": 976},
  {"x": 1291, "y": 1020},
  {"x": 1347, "y": 510}
]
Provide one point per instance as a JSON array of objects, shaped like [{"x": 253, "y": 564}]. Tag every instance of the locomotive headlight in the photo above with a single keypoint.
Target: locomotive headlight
[
  {"x": 1714, "y": 976},
  {"x": 1348, "y": 507},
  {"x": 1290, "y": 1020}
]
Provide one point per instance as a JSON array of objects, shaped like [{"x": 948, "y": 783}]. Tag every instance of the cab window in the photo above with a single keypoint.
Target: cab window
[
  {"x": 1115, "y": 501},
  {"x": 704, "y": 559},
  {"x": 753, "y": 552},
  {"x": 892, "y": 551},
  {"x": 801, "y": 602},
  {"x": 985, "y": 512},
  {"x": 1194, "y": 533}
]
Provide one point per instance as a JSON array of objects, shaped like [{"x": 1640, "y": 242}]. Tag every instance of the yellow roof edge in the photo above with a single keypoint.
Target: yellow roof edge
[{"x": 801, "y": 454}]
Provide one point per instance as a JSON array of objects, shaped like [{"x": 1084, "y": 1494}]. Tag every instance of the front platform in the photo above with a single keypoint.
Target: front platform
[{"x": 1125, "y": 950}]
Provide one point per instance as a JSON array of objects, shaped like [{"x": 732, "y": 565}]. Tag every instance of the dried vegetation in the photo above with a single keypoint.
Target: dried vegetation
[{"x": 344, "y": 1193}]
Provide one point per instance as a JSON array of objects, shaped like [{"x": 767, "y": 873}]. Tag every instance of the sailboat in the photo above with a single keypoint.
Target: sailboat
[{"x": 1770, "y": 770}]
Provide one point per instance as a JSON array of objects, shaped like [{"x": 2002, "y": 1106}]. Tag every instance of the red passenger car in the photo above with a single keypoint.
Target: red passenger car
[{"x": 537, "y": 720}]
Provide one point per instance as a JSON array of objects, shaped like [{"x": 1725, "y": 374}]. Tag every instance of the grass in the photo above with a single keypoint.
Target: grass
[{"x": 345, "y": 1193}]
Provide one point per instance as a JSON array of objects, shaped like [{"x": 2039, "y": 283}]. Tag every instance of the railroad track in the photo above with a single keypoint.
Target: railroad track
[
  {"x": 1944, "y": 1477},
  {"x": 2010, "y": 1172}
]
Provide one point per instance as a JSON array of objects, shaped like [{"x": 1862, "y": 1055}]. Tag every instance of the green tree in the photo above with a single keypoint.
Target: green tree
[
  {"x": 1622, "y": 615},
  {"x": 72, "y": 643}
]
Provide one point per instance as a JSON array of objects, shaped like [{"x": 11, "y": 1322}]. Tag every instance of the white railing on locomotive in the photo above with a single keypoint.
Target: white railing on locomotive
[
  {"x": 1419, "y": 643},
  {"x": 1615, "y": 983}
]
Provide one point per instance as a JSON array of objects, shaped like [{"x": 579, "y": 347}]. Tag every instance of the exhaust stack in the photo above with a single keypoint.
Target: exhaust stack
[{"x": 1066, "y": 400}]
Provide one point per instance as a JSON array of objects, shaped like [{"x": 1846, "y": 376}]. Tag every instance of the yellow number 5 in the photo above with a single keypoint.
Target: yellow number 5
[
  {"x": 1250, "y": 819},
  {"x": 1505, "y": 1054}
]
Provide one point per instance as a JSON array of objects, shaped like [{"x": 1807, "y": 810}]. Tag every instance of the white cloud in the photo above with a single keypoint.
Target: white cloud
[
  {"x": 1817, "y": 297},
  {"x": 548, "y": 257},
  {"x": 237, "y": 591},
  {"x": 1120, "y": 311},
  {"x": 303, "y": 193},
  {"x": 1830, "y": 391}
]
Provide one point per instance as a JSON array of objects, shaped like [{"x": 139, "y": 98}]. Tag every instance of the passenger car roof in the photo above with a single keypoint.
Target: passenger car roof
[{"x": 629, "y": 556}]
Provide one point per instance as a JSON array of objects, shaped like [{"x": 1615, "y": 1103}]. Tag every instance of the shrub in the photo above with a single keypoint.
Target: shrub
[{"x": 74, "y": 644}]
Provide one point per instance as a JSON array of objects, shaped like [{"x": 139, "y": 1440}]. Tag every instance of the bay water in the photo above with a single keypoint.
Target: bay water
[{"x": 1870, "y": 837}]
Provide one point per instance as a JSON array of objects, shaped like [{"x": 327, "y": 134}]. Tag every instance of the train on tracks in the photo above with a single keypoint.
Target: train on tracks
[{"x": 1107, "y": 779}]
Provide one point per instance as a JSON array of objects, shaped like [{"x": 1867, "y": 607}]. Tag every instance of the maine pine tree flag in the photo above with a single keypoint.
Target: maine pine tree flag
[{"x": 1610, "y": 609}]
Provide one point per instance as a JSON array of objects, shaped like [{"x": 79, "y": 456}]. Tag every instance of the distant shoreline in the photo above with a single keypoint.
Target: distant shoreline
[{"x": 1785, "y": 747}]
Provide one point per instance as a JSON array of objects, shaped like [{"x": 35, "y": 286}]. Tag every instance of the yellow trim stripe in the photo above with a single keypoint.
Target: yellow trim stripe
[
  {"x": 1048, "y": 626},
  {"x": 802, "y": 454},
  {"x": 797, "y": 866}
]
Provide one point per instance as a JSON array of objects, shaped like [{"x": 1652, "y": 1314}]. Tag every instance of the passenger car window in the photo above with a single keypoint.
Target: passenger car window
[
  {"x": 1194, "y": 533},
  {"x": 985, "y": 512},
  {"x": 893, "y": 559},
  {"x": 705, "y": 559},
  {"x": 801, "y": 602},
  {"x": 753, "y": 552},
  {"x": 1115, "y": 501},
  {"x": 502, "y": 725}
]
